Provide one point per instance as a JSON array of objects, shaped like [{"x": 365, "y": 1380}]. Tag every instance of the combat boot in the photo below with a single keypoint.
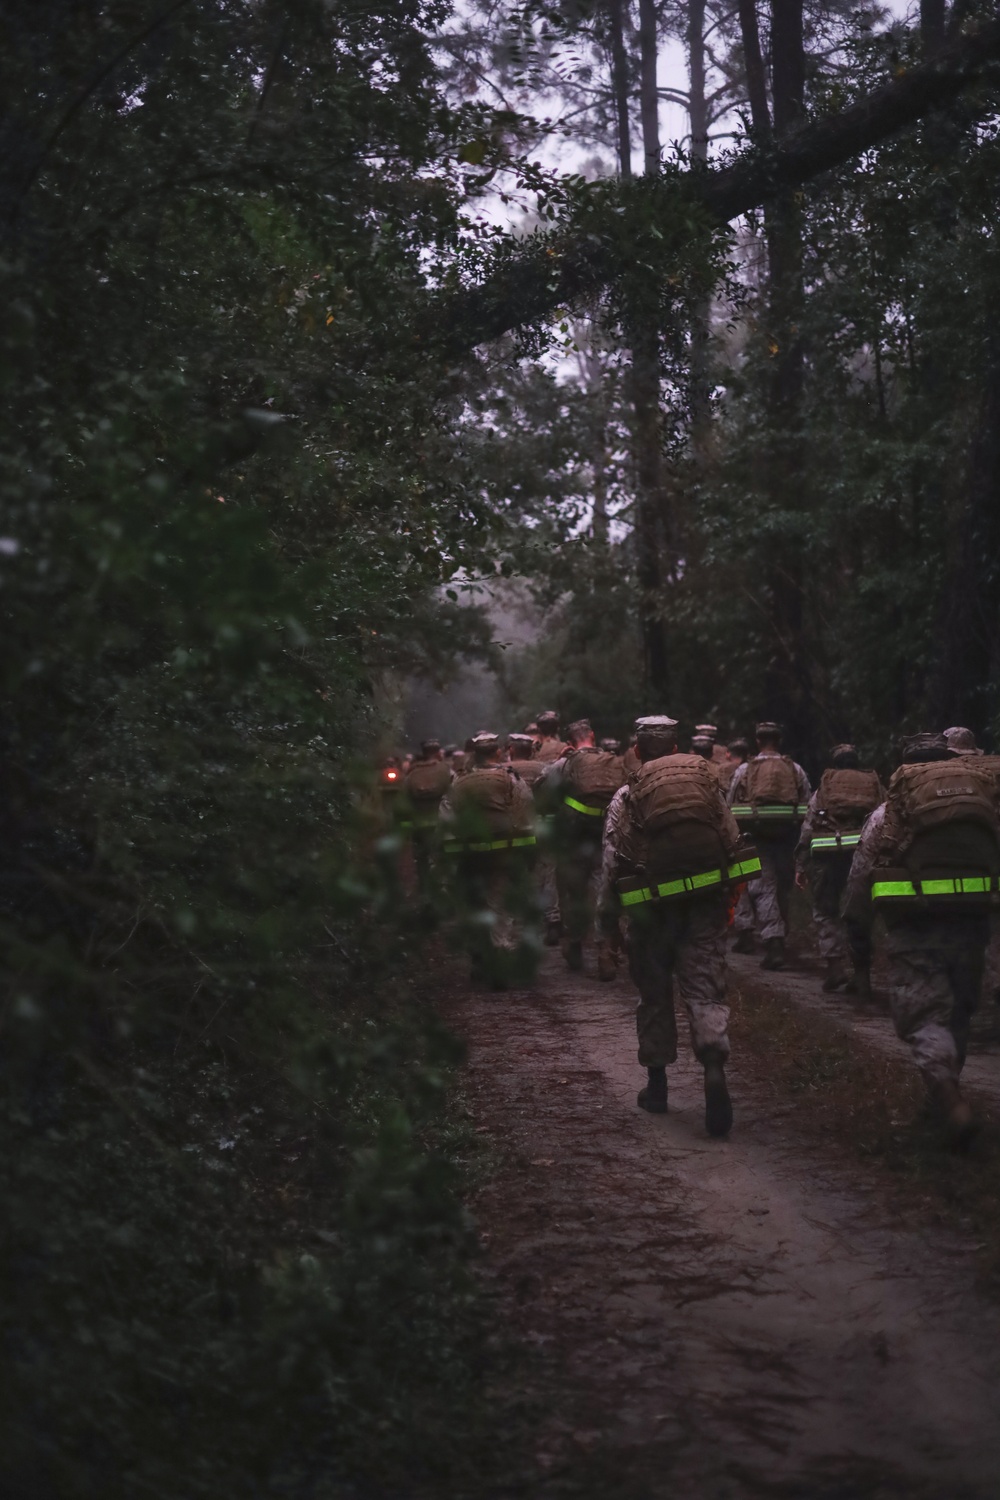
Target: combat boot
[
  {"x": 572, "y": 952},
  {"x": 774, "y": 954},
  {"x": 744, "y": 941},
  {"x": 718, "y": 1105},
  {"x": 860, "y": 983},
  {"x": 837, "y": 977},
  {"x": 607, "y": 963},
  {"x": 960, "y": 1124},
  {"x": 653, "y": 1098}
]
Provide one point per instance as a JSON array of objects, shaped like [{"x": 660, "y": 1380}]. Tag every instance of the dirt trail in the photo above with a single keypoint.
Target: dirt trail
[{"x": 724, "y": 1319}]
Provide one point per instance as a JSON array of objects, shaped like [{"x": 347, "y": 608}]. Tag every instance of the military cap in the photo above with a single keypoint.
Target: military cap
[
  {"x": 548, "y": 716},
  {"x": 840, "y": 755},
  {"x": 521, "y": 742},
  {"x": 962, "y": 741},
  {"x": 766, "y": 728},
  {"x": 430, "y": 747},
  {"x": 655, "y": 724},
  {"x": 701, "y": 744},
  {"x": 485, "y": 742},
  {"x": 711, "y": 730},
  {"x": 612, "y": 746},
  {"x": 920, "y": 747}
]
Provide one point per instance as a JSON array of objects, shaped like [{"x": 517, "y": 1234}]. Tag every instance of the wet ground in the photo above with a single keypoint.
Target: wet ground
[{"x": 714, "y": 1319}]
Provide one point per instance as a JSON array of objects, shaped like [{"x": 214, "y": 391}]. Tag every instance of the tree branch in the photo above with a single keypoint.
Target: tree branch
[{"x": 552, "y": 272}]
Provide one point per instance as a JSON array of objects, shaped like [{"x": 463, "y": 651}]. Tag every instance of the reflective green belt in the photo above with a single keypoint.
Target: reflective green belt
[
  {"x": 775, "y": 810},
  {"x": 743, "y": 869},
  {"x": 581, "y": 807},
  {"x": 456, "y": 846},
  {"x": 836, "y": 841},
  {"x": 907, "y": 890}
]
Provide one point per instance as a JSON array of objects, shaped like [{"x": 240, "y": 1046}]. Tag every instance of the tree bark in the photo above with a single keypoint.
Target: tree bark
[
  {"x": 648, "y": 96},
  {"x": 619, "y": 87},
  {"x": 753, "y": 61}
]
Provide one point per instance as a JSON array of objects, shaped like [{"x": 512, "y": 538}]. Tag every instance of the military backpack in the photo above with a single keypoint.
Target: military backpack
[
  {"x": 427, "y": 780},
  {"x": 590, "y": 779},
  {"x": 940, "y": 844},
  {"x": 769, "y": 796},
  {"x": 493, "y": 811},
  {"x": 844, "y": 800}
]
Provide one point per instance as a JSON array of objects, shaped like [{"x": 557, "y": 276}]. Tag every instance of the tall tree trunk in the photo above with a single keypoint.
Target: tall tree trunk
[
  {"x": 753, "y": 62},
  {"x": 654, "y": 529},
  {"x": 619, "y": 87},
  {"x": 649, "y": 97},
  {"x": 700, "y": 329}
]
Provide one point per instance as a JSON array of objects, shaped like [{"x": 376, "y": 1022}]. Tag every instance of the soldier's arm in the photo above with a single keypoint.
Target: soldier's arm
[
  {"x": 739, "y": 776},
  {"x": 802, "y": 781},
  {"x": 607, "y": 896},
  {"x": 806, "y": 833}
]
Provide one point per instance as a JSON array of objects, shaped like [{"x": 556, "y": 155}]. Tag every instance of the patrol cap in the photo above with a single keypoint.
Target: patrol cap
[
  {"x": 485, "y": 742},
  {"x": 655, "y": 724},
  {"x": 612, "y": 746},
  {"x": 920, "y": 747},
  {"x": 710, "y": 730},
  {"x": 844, "y": 755},
  {"x": 523, "y": 742},
  {"x": 767, "y": 729},
  {"x": 701, "y": 744},
  {"x": 430, "y": 747},
  {"x": 548, "y": 719},
  {"x": 962, "y": 741}
]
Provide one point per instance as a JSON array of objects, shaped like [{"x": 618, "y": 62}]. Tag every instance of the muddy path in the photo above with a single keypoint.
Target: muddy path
[{"x": 712, "y": 1319}]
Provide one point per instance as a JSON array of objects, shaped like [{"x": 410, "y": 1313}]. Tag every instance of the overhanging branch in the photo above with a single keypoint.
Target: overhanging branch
[{"x": 553, "y": 272}]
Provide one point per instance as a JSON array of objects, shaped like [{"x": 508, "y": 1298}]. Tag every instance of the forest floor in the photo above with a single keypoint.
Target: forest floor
[{"x": 807, "y": 1309}]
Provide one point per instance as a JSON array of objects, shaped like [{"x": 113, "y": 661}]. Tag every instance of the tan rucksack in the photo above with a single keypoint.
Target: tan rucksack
[
  {"x": 676, "y": 822},
  {"x": 530, "y": 771},
  {"x": 590, "y": 778},
  {"x": 491, "y": 804},
  {"x": 940, "y": 817},
  {"x": 846, "y": 797},
  {"x": 428, "y": 780},
  {"x": 771, "y": 781}
]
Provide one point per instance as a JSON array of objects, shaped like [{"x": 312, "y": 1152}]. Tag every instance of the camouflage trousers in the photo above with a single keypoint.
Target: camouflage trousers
[
  {"x": 827, "y": 879},
  {"x": 770, "y": 892},
  {"x": 545, "y": 882},
  {"x": 935, "y": 975},
  {"x": 577, "y": 873},
  {"x": 496, "y": 897},
  {"x": 685, "y": 939},
  {"x": 743, "y": 915}
]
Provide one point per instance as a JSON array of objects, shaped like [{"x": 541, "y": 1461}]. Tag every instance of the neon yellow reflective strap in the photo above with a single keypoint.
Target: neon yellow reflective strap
[
  {"x": 775, "y": 810},
  {"x": 845, "y": 841},
  {"x": 522, "y": 843},
  {"x": 744, "y": 867},
  {"x": 633, "y": 898},
  {"x": 713, "y": 877},
  {"x": 672, "y": 888},
  {"x": 974, "y": 885},
  {"x": 882, "y": 888},
  {"x": 455, "y": 847},
  {"x": 937, "y": 887},
  {"x": 741, "y": 810},
  {"x": 581, "y": 807}
]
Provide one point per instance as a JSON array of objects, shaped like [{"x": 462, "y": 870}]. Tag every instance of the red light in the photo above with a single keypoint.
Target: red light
[{"x": 390, "y": 775}]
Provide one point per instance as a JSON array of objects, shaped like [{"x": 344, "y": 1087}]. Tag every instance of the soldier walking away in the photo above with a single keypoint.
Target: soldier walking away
[
  {"x": 550, "y": 742},
  {"x": 520, "y": 748},
  {"x": 710, "y": 732},
  {"x": 768, "y": 796},
  {"x": 488, "y": 828},
  {"x": 577, "y": 789},
  {"x": 838, "y": 809},
  {"x": 928, "y": 863},
  {"x": 424, "y": 785},
  {"x": 671, "y": 850}
]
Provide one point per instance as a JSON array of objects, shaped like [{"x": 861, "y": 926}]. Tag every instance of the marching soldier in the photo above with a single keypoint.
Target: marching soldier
[
  {"x": 488, "y": 827},
  {"x": 550, "y": 743},
  {"x": 579, "y": 788},
  {"x": 838, "y": 809},
  {"x": 711, "y": 733},
  {"x": 768, "y": 796},
  {"x": 928, "y": 862},
  {"x": 520, "y": 748},
  {"x": 424, "y": 785},
  {"x": 671, "y": 847}
]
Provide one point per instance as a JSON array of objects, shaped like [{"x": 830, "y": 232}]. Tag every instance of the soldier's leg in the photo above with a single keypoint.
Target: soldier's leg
[
  {"x": 743, "y": 922},
  {"x": 548, "y": 897},
  {"x": 765, "y": 898},
  {"x": 650, "y": 965},
  {"x": 967, "y": 945},
  {"x": 826, "y": 884},
  {"x": 920, "y": 996},
  {"x": 991, "y": 974},
  {"x": 701, "y": 980}
]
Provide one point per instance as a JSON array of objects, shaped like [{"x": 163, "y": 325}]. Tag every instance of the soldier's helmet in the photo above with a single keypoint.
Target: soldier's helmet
[{"x": 961, "y": 741}]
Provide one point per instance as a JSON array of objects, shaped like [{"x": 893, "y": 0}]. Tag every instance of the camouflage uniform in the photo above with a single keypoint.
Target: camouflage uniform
[
  {"x": 683, "y": 939},
  {"x": 935, "y": 968},
  {"x": 827, "y": 879},
  {"x": 769, "y": 894}
]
